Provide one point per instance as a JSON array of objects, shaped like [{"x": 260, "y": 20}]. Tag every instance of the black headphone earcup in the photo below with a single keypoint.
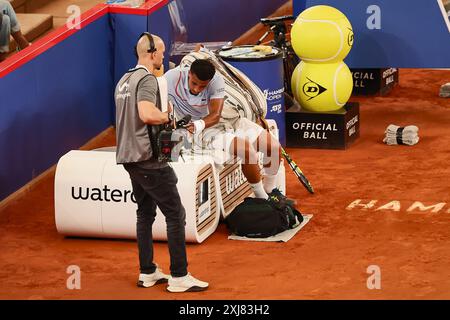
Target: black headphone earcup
[{"x": 135, "y": 52}]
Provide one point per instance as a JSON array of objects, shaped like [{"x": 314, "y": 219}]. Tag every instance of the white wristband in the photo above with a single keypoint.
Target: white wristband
[{"x": 199, "y": 125}]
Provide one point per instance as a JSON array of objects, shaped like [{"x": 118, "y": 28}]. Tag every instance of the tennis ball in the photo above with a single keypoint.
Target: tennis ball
[
  {"x": 322, "y": 87},
  {"x": 322, "y": 34}
]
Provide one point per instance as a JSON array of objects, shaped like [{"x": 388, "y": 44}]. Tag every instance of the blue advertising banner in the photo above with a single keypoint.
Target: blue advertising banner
[
  {"x": 400, "y": 33},
  {"x": 54, "y": 103}
]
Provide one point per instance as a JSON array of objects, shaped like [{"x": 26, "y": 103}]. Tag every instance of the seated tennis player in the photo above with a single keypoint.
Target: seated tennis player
[{"x": 197, "y": 89}]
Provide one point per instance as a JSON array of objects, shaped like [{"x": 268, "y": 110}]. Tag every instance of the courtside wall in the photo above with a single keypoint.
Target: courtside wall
[{"x": 54, "y": 103}]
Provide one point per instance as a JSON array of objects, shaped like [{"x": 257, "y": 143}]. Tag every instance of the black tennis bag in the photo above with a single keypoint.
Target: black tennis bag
[{"x": 259, "y": 218}]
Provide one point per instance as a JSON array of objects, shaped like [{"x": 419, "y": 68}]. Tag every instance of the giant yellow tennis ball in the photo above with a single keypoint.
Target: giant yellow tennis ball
[
  {"x": 322, "y": 87},
  {"x": 322, "y": 34}
]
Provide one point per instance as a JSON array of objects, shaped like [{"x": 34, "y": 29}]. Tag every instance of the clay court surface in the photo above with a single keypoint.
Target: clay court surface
[{"x": 327, "y": 259}]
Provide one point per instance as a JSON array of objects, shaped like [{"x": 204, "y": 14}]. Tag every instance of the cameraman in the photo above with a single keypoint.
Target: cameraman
[{"x": 138, "y": 122}]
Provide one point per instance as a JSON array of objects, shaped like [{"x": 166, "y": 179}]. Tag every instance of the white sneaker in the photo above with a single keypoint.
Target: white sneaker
[
  {"x": 186, "y": 284},
  {"x": 149, "y": 280}
]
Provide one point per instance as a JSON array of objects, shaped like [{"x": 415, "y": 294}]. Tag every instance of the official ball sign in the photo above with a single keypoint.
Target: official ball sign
[
  {"x": 323, "y": 130},
  {"x": 374, "y": 81}
]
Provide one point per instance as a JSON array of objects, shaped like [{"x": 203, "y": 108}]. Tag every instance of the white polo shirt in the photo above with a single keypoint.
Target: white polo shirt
[{"x": 186, "y": 103}]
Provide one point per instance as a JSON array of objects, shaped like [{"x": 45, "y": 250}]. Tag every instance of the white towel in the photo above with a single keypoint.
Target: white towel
[
  {"x": 445, "y": 91},
  {"x": 163, "y": 92},
  {"x": 401, "y": 135}
]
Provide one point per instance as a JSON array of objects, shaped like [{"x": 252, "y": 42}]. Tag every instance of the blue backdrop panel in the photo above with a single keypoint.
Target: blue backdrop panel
[
  {"x": 159, "y": 23},
  {"x": 67, "y": 102},
  {"x": 224, "y": 20},
  {"x": 413, "y": 34},
  {"x": 126, "y": 30}
]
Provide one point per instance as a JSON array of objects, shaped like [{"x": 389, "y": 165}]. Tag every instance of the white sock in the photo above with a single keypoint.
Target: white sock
[
  {"x": 270, "y": 182},
  {"x": 258, "y": 189}
]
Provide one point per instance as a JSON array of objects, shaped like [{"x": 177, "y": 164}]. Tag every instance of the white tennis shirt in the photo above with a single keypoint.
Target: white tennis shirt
[{"x": 184, "y": 102}]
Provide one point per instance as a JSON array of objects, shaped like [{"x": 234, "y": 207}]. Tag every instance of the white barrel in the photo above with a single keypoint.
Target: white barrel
[{"x": 93, "y": 197}]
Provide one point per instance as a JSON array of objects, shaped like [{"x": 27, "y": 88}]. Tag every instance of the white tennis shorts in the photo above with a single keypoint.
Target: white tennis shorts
[{"x": 219, "y": 137}]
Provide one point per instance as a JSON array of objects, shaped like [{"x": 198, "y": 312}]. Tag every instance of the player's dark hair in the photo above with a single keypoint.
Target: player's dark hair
[{"x": 203, "y": 69}]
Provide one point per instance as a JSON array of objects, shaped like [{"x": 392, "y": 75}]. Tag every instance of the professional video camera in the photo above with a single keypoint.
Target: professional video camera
[{"x": 171, "y": 140}]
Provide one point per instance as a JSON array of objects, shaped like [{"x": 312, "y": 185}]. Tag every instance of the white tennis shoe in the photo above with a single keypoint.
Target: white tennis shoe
[
  {"x": 186, "y": 284},
  {"x": 149, "y": 280}
]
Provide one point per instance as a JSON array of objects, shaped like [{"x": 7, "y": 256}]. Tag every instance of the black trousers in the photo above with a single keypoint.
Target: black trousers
[{"x": 151, "y": 188}]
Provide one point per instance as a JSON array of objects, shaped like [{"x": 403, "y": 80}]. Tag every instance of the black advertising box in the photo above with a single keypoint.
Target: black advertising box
[
  {"x": 322, "y": 130},
  {"x": 374, "y": 81}
]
